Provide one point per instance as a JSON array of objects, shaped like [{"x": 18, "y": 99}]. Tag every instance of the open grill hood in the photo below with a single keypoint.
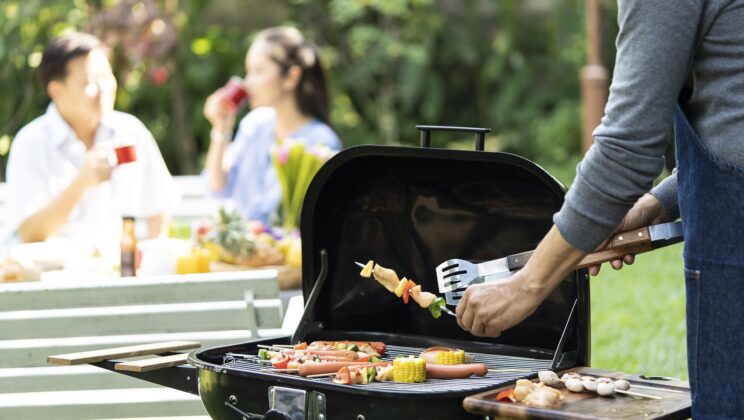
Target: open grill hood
[{"x": 411, "y": 208}]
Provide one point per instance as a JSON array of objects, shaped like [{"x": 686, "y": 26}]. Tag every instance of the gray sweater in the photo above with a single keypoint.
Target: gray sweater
[{"x": 662, "y": 47}]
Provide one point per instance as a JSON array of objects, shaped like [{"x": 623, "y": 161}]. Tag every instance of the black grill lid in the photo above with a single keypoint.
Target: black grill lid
[{"x": 411, "y": 208}]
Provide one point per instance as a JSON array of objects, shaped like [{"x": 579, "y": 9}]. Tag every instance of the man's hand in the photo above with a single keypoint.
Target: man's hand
[
  {"x": 487, "y": 309},
  {"x": 646, "y": 211},
  {"x": 96, "y": 168},
  {"x": 221, "y": 116}
]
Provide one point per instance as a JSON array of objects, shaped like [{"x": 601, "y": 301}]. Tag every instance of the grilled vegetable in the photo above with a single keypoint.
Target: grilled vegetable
[
  {"x": 280, "y": 362},
  {"x": 367, "y": 270},
  {"x": 440, "y": 355},
  {"x": 349, "y": 375},
  {"x": 407, "y": 290},
  {"x": 343, "y": 376},
  {"x": 409, "y": 369},
  {"x": 401, "y": 286},
  {"x": 506, "y": 395},
  {"x": 450, "y": 357},
  {"x": 386, "y": 277},
  {"x": 424, "y": 299},
  {"x": 436, "y": 307},
  {"x": 375, "y": 348}
]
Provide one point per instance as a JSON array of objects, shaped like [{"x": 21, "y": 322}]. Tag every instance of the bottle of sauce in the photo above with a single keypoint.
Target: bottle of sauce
[{"x": 128, "y": 248}]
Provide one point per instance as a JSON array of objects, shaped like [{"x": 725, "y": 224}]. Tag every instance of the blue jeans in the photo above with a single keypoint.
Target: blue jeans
[{"x": 711, "y": 198}]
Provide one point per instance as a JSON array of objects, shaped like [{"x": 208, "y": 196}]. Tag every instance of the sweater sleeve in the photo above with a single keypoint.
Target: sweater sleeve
[{"x": 654, "y": 56}]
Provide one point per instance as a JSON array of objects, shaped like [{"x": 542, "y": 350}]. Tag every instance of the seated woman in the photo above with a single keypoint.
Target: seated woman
[{"x": 288, "y": 94}]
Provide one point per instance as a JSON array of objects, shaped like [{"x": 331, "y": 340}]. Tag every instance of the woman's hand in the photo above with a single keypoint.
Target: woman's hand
[
  {"x": 219, "y": 114},
  {"x": 646, "y": 211}
]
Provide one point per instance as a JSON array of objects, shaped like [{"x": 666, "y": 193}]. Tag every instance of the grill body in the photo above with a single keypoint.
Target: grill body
[{"x": 410, "y": 209}]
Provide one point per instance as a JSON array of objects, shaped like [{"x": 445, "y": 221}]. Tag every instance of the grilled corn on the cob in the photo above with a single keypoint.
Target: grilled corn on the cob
[
  {"x": 409, "y": 369},
  {"x": 455, "y": 357}
]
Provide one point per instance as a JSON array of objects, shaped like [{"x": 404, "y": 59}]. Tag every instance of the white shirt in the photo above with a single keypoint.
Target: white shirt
[{"x": 46, "y": 156}]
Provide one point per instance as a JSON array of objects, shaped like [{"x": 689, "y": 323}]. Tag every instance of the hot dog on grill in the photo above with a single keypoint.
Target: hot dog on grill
[{"x": 461, "y": 371}]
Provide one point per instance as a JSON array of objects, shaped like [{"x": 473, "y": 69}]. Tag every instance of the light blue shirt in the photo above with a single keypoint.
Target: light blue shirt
[{"x": 252, "y": 184}]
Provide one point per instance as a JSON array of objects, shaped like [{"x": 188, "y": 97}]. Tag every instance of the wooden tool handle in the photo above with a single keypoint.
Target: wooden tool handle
[{"x": 634, "y": 241}]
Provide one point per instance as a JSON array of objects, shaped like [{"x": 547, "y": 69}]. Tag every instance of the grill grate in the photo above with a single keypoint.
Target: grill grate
[{"x": 431, "y": 386}]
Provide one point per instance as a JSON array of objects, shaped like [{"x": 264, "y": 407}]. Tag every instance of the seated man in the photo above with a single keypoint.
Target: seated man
[{"x": 61, "y": 177}]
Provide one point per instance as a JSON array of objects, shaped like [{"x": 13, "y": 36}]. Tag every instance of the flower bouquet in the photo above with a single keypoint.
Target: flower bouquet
[{"x": 296, "y": 164}]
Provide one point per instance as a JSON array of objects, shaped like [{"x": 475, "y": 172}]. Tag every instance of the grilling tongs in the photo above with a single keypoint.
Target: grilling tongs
[{"x": 455, "y": 275}]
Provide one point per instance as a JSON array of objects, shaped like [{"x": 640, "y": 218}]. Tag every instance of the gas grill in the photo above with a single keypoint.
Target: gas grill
[{"x": 409, "y": 209}]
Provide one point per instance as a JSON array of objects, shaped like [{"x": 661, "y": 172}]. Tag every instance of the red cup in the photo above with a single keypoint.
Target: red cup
[
  {"x": 234, "y": 93},
  {"x": 125, "y": 154}
]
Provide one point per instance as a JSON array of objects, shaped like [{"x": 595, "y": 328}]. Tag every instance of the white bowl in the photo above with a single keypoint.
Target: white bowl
[{"x": 159, "y": 255}]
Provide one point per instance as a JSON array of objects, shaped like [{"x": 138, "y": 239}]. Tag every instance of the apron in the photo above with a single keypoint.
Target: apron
[{"x": 711, "y": 200}]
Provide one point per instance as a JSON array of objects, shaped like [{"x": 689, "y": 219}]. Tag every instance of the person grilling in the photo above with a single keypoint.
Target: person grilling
[{"x": 680, "y": 64}]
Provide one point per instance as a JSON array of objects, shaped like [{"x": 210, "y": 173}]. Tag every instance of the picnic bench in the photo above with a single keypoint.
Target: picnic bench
[{"x": 48, "y": 318}]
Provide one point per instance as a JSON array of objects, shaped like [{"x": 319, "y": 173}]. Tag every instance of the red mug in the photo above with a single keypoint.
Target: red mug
[
  {"x": 234, "y": 93},
  {"x": 125, "y": 154}
]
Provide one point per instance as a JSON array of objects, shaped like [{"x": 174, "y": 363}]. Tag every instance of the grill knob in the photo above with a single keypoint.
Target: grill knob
[{"x": 276, "y": 415}]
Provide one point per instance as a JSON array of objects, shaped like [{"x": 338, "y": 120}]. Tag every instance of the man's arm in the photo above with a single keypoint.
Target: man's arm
[
  {"x": 45, "y": 222},
  {"x": 654, "y": 57}
]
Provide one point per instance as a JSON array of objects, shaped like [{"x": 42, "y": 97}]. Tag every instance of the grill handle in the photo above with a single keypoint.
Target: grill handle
[
  {"x": 231, "y": 403},
  {"x": 480, "y": 134}
]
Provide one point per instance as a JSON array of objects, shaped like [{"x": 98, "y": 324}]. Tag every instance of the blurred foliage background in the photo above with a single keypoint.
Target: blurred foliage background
[
  {"x": 506, "y": 64},
  {"x": 509, "y": 65}
]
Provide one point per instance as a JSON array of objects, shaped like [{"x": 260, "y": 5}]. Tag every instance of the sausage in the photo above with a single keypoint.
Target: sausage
[
  {"x": 315, "y": 368},
  {"x": 455, "y": 371}
]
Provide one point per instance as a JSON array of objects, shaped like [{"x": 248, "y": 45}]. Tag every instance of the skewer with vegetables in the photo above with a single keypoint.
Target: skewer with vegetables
[{"x": 405, "y": 288}]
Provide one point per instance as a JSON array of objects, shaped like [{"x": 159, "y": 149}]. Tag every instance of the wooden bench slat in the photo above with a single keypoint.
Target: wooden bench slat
[
  {"x": 154, "y": 363},
  {"x": 119, "y": 352},
  {"x": 141, "y": 319},
  {"x": 65, "y": 378},
  {"x": 135, "y": 291}
]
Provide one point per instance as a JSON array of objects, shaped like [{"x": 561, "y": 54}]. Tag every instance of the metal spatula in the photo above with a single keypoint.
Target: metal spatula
[{"x": 455, "y": 275}]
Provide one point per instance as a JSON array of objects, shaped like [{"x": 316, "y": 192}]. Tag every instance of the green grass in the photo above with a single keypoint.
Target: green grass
[{"x": 638, "y": 316}]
